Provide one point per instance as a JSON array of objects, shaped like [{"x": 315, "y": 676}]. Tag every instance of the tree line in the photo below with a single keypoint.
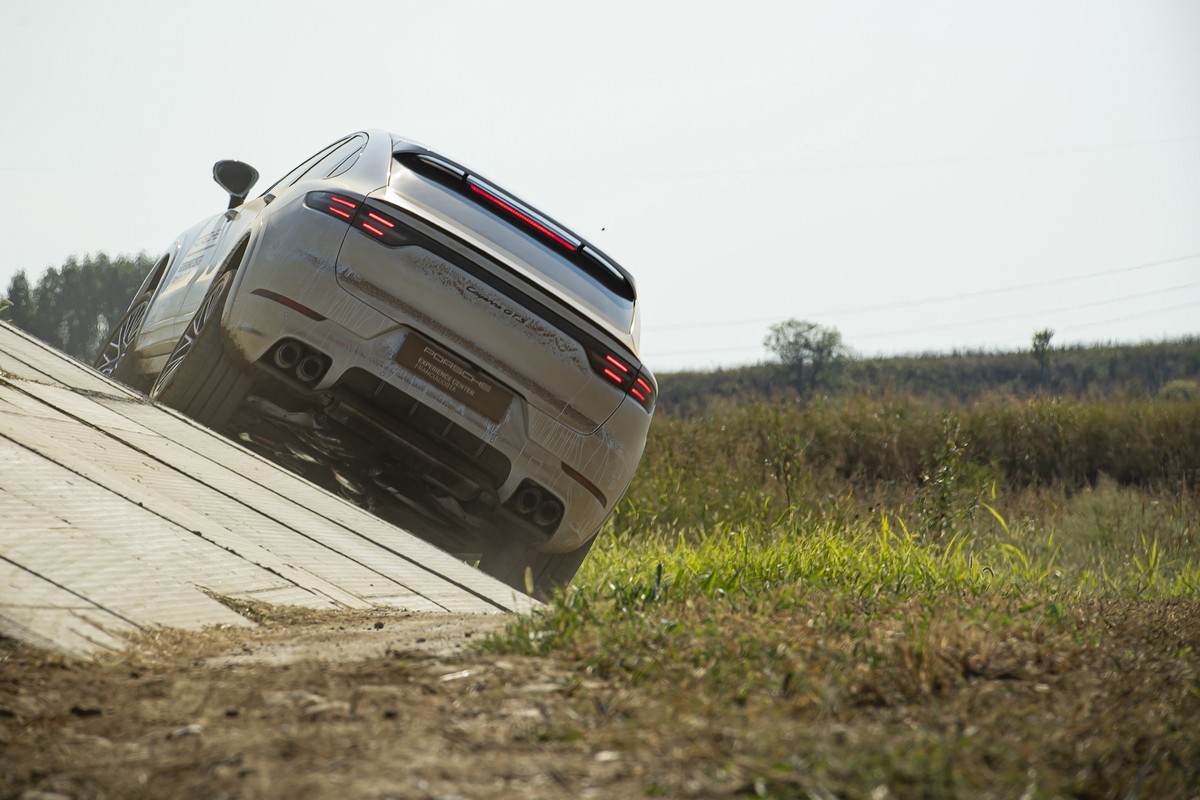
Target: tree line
[
  {"x": 811, "y": 361},
  {"x": 73, "y": 306}
]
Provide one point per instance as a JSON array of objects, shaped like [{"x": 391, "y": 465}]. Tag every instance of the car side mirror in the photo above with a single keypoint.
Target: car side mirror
[{"x": 236, "y": 178}]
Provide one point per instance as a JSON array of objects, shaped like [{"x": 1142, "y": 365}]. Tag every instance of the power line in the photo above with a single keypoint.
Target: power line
[
  {"x": 1062, "y": 151},
  {"x": 1109, "y": 321},
  {"x": 1029, "y": 314},
  {"x": 834, "y": 166},
  {"x": 1132, "y": 316},
  {"x": 930, "y": 300}
]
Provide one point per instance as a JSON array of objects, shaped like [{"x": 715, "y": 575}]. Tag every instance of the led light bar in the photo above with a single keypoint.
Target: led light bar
[
  {"x": 529, "y": 218},
  {"x": 523, "y": 217}
]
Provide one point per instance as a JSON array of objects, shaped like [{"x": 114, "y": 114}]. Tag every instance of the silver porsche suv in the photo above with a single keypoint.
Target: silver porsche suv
[{"x": 433, "y": 346}]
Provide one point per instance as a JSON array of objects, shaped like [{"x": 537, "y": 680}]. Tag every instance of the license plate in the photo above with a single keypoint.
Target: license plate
[{"x": 455, "y": 377}]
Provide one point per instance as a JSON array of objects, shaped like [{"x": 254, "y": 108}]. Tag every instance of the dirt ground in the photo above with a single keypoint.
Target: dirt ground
[
  {"x": 384, "y": 705},
  {"x": 356, "y": 705}
]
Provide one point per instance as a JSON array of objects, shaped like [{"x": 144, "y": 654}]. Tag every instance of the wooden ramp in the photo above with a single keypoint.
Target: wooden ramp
[{"x": 118, "y": 515}]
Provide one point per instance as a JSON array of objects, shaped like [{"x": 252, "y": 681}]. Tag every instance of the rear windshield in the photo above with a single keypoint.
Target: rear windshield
[{"x": 563, "y": 260}]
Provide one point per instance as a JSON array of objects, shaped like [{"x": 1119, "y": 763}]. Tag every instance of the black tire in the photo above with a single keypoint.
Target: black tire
[
  {"x": 113, "y": 359},
  {"x": 199, "y": 378},
  {"x": 547, "y": 571}
]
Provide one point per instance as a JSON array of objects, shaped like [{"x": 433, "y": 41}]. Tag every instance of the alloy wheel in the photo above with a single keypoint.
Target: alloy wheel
[{"x": 121, "y": 339}]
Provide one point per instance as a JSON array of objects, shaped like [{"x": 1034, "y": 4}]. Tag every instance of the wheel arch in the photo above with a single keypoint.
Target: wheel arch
[
  {"x": 237, "y": 254},
  {"x": 233, "y": 264}
]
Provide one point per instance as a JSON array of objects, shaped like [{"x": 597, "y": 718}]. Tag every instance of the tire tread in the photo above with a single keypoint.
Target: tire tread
[{"x": 209, "y": 385}]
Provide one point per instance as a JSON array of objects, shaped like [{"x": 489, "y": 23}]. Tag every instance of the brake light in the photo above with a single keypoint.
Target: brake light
[
  {"x": 641, "y": 390},
  {"x": 381, "y": 220},
  {"x": 522, "y": 216},
  {"x": 360, "y": 213},
  {"x": 621, "y": 371},
  {"x": 342, "y": 206},
  {"x": 637, "y": 382},
  {"x": 510, "y": 207}
]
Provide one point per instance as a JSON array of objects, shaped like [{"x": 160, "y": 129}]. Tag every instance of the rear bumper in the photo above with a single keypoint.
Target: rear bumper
[{"x": 367, "y": 389}]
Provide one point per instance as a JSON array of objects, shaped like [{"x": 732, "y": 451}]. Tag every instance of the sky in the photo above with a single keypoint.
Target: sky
[{"x": 922, "y": 176}]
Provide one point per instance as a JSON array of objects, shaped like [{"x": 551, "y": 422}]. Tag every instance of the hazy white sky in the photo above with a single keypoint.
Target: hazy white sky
[{"x": 921, "y": 175}]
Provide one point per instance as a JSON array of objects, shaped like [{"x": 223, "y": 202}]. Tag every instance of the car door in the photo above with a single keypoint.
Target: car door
[{"x": 195, "y": 254}]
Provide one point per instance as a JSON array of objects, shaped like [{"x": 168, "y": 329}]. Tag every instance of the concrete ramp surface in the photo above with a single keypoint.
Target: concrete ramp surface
[{"x": 118, "y": 515}]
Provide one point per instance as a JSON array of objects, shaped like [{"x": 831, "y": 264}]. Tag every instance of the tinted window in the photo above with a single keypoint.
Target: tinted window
[
  {"x": 294, "y": 175},
  {"x": 343, "y": 158}
]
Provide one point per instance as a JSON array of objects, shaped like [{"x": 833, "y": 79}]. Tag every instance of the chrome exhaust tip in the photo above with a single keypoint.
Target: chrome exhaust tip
[
  {"x": 310, "y": 369},
  {"x": 287, "y": 355},
  {"x": 527, "y": 500},
  {"x": 548, "y": 513}
]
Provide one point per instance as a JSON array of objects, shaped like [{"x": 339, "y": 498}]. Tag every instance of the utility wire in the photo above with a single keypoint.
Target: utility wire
[
  {"x": 929, "y": 300},
  {"x": 776, "y": 169},
  {"x": 1130, "y": 316},
  {"x": 1029, "y": 314},
  {"x": 1148, "y": 312}
]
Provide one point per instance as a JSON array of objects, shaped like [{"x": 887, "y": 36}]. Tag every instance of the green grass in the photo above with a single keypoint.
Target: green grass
[
  {"x": 958, "y": 633},
  {"x": 818, "y": 660},
  {"x": 633, "y": 584}
]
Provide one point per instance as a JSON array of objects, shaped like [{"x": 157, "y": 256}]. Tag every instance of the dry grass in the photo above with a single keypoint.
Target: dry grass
[
  {"x": 811, "y": 688},
  {"x": 821, "y": 694},
  {"x": 797, "y": 618},
  {"x": 760, "y": 620}
]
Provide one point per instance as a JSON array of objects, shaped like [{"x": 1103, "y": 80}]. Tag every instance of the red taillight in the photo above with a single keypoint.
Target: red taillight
[
  {"x": 365, "y": 215},
  {"x": 643, "y": 391},
  {"x": 637, "y": 383},
  {"x": 381, "y": 219},
  {"x": 618, "y": 363},
  {"x": 342, "y": 206},
  {"x": 373, "y": 220}
]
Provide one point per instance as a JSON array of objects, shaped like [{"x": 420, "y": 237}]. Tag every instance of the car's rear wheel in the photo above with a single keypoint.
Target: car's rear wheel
[
  {"x": 114, "y": 359},
  {"x": 199, "y": 378},
  {"x": 523, "y": 567}
]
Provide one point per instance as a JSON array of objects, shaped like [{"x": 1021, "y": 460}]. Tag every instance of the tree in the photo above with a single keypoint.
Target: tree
[
  {"x": 810, "y": 352},
  {"x": 72, "y": 308},
  {"x": 17, "y": 301},
  {"x": 1041, "y": 350}
]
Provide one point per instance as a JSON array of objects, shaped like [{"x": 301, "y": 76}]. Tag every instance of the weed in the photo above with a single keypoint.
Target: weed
[{"x": 917, "y": 576}]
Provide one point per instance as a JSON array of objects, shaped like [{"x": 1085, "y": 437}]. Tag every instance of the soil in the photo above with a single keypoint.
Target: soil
[
  {"x": 384, "y": 705},
  {"x": 353, "y": 705}
]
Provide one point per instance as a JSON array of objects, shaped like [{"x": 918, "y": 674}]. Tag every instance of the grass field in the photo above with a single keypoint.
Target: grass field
[
  {"x": 857, "y": 598},
  {"x": 794, "y": 624}
]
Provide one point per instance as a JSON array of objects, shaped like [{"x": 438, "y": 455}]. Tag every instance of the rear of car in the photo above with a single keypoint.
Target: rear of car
[{"x": 486, "y": 347}]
